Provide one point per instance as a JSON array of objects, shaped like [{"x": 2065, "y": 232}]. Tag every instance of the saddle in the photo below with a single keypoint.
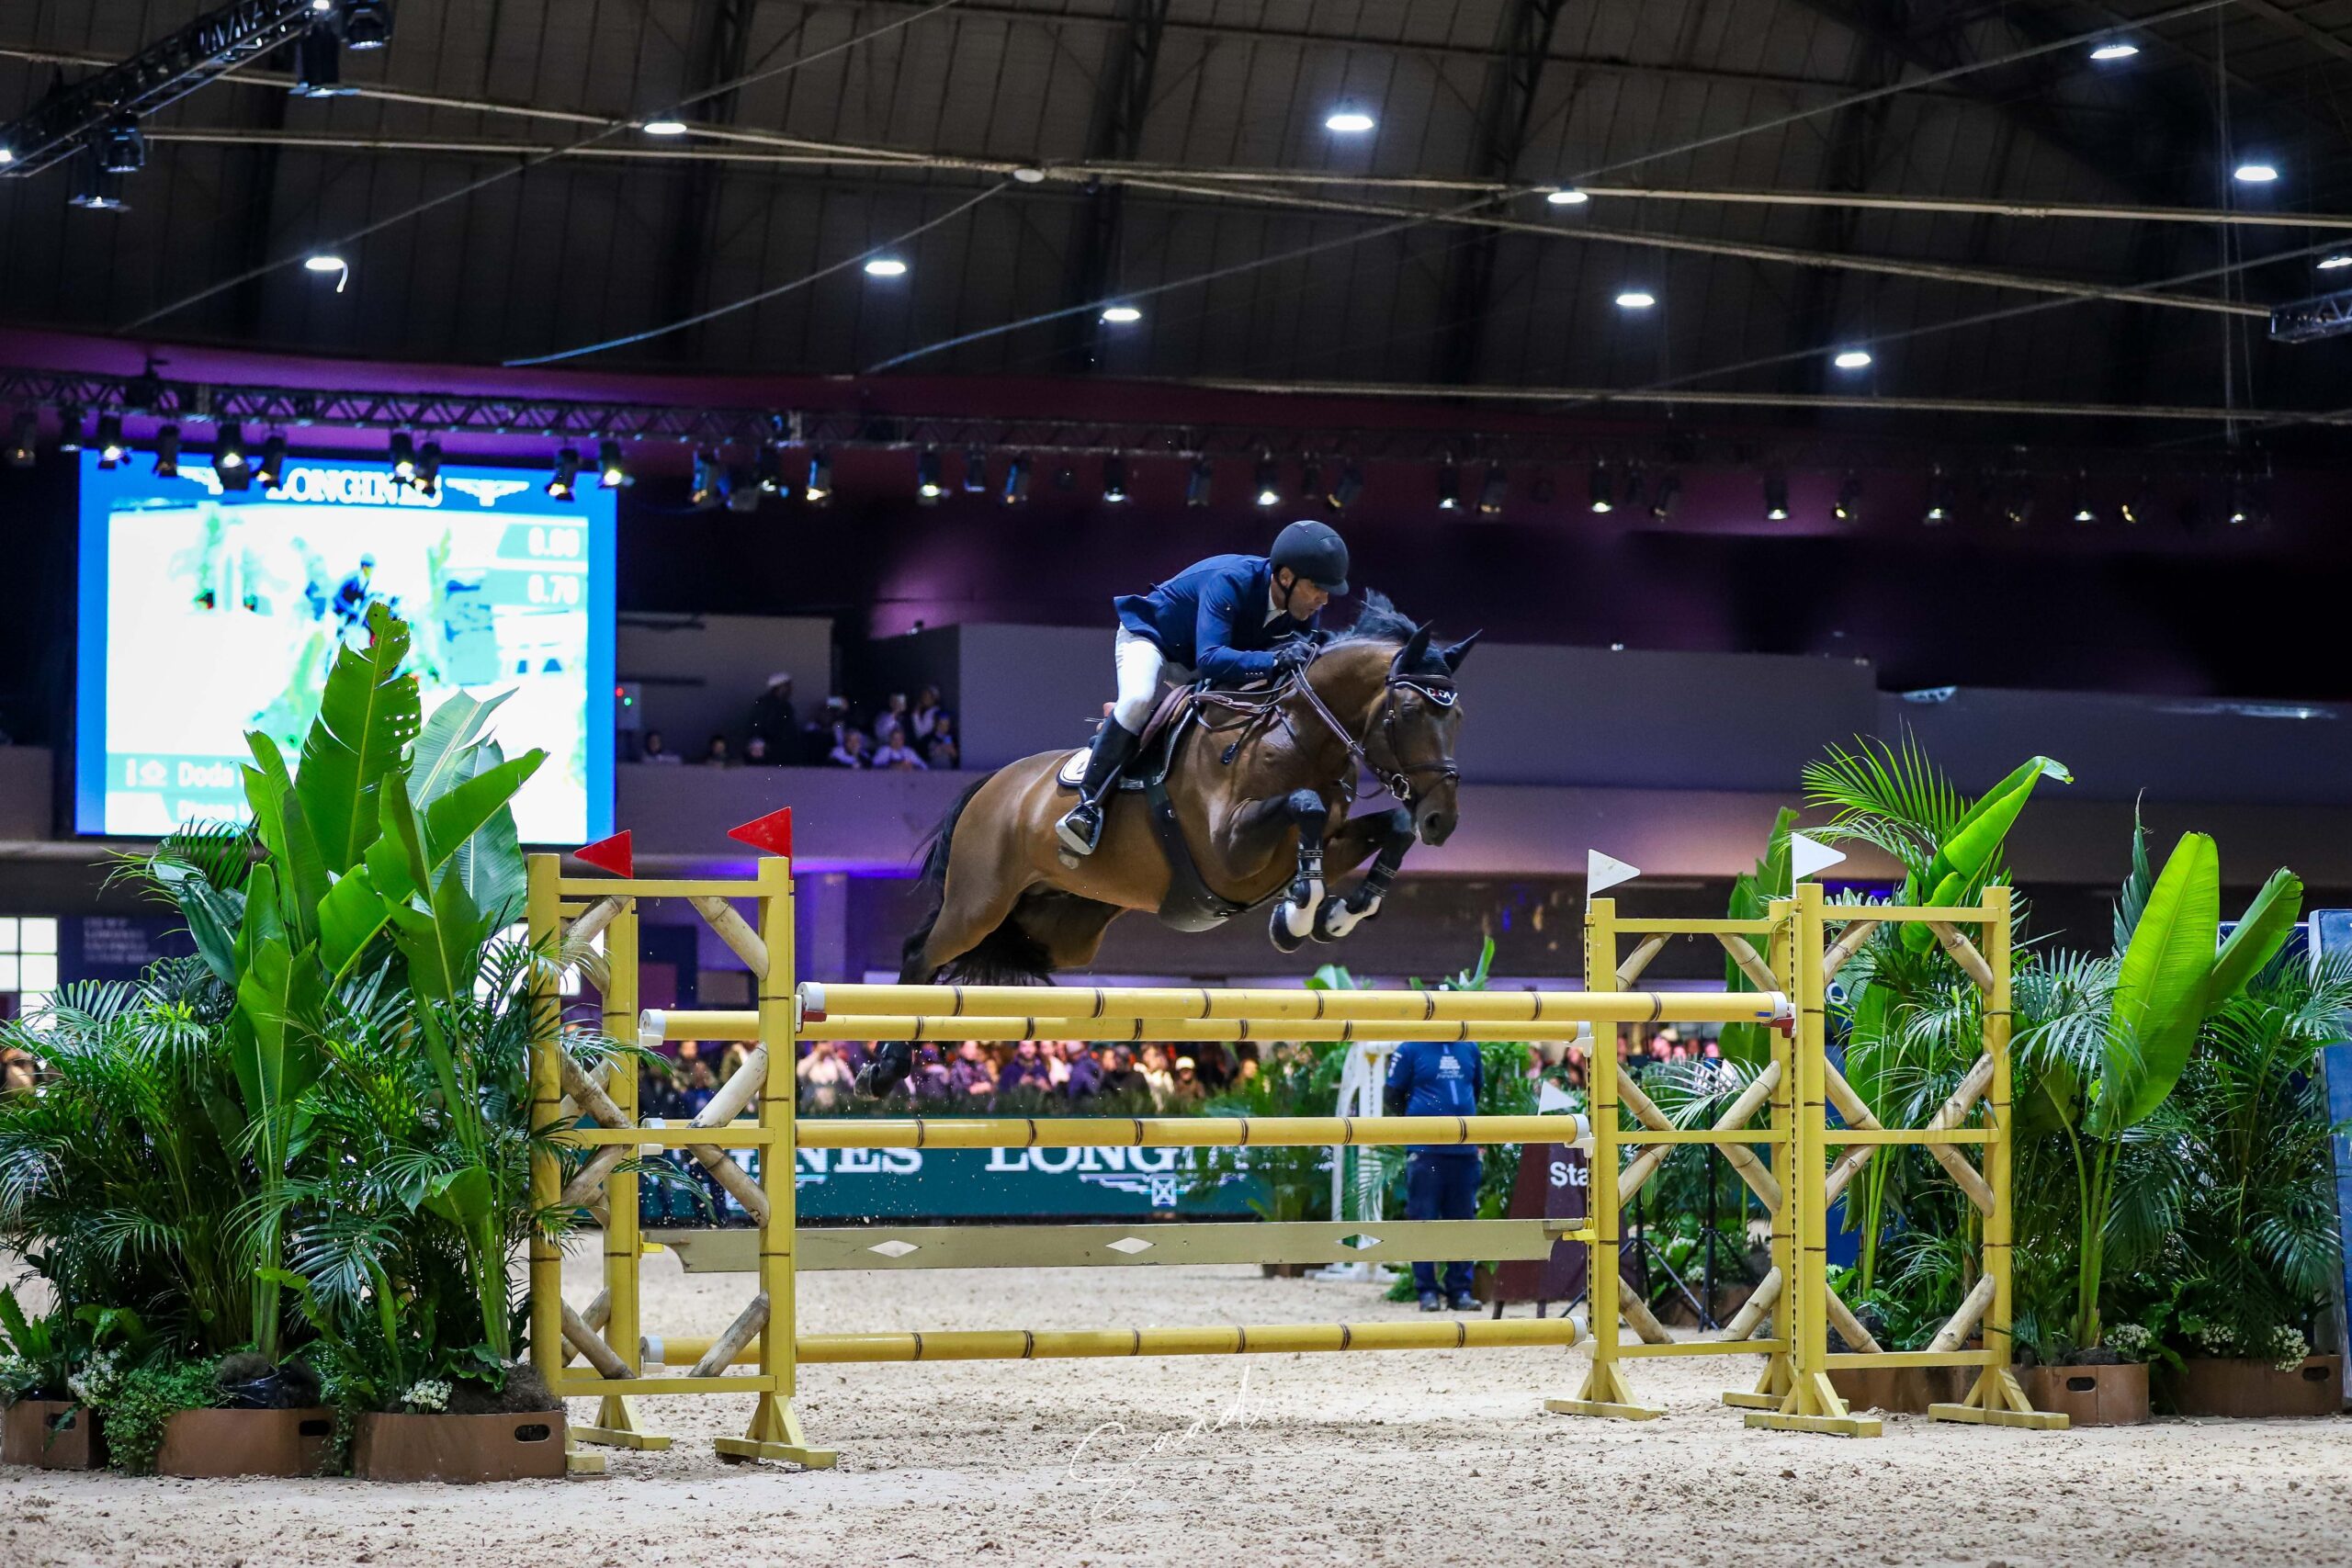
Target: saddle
[{"x": 1191, "y": 905}]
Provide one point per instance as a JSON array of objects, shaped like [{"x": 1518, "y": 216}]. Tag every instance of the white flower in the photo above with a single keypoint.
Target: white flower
[
  {"x": 2287, "y": 1348},
  {"x": 431, "y": 1393},
  {"x": 2130, "y": 1340}
]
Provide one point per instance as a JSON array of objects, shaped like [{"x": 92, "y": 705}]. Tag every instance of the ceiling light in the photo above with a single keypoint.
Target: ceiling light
[
  {"x": 1449, "y": 486},
  {"x": 2255, "y": 174},
  {"x": 2115, "y": 50},
  {"x": 1495, "y": 491},
  {"x": 975, "y": 470},
  {"x": 1348, "y": 123},
  {"x": 1122, "y": 315},
  {"x": 1270, "y": 482},
  {"x": 1603, "y": 490},
  {"x": 366, "y": 24},
  {"x": 403, "y": 456},
  {"x": 111, "y": 449},
  {"x": 1776, "y": 496},
  {"x": 929, "y": 474},
  {"x": 664, "y": 128},
  {"x": 271, "y": 470},
  {"x": 1115, "y": 480},
  {"x": 317, "y": 66},
  {"x": 740, "y": 483},
  {"x": 22, "y": 435},
  {"x": 1028, "y": 175},
  {"x": 820, "y": 488},
  {"x": 885, "y": 266},
  {"x": 229, "y": 447},
  {"x": 1938, "y": 510},
  {"x": 706, "y": 480},
  {"x": 1849, "y": 508},
  {"x": 428, "y": 469},
  {"x": 612, "y": 468},
  {"x": 1636, "y": 299},
  {"x": 167, "y": 452},
  {"x": 768, "y": 471},
  {"x": 564, "y": 482},
  {"x": 1016, "y": 480},
  {"x": 1200, "y": 483},
  {"x": 1569, "y": 198},
  {"x": 2334, "y": 260},
  {"x": 1663, "y": 500},
  {"x": 333, "y": 263},
  {"x": 6, "y": 156},
  {"x": 69, "y": 428},
  {"x": 1346, "y": 488},
  {"x": 1853, "y": 359}
]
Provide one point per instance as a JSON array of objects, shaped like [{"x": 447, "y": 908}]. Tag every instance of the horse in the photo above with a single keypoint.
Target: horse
[{"x": 1252, "y": 809}]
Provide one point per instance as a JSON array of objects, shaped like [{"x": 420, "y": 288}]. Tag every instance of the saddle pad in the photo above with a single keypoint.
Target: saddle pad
[{"x": 1073, "y": 770}]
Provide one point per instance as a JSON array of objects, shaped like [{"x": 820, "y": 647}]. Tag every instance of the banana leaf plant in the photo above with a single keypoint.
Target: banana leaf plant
[{"x": 2107, "y": 1038}]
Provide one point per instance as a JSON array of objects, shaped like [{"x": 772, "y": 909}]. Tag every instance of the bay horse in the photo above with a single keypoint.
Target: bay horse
[{"x": 1252, "y": 807}]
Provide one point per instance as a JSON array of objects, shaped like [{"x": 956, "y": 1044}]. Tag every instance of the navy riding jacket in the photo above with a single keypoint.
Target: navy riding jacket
[{"x": 1211, "y": 617}]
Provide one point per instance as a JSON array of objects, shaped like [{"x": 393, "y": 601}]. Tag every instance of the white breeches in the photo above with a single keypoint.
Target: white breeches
[{"x": 1141, "y": 667}]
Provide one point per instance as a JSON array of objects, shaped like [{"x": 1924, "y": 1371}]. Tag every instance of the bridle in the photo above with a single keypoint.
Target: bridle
[{"x": 1399, "y": 779}]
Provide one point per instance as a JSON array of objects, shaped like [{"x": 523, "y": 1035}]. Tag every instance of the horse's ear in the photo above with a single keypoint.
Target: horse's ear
[
  {"x": 1455, "y": 655},
  {"x": 1409, "y": 657}
]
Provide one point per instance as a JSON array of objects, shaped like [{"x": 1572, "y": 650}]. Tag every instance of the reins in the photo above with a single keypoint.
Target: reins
[{"x": 1259, "y": 712}]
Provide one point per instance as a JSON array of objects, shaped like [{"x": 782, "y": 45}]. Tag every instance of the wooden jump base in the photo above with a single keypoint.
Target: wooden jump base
[{"x": 1785, "y": 1160}]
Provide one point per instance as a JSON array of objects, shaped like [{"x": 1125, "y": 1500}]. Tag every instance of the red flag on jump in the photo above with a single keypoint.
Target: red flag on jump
[
  {"x": 772, "y": 833},
  {"x": 611, "y": 854}
]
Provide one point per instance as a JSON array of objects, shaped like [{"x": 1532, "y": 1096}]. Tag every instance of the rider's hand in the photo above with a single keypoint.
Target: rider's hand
[{"x": 1292, "y": 657}]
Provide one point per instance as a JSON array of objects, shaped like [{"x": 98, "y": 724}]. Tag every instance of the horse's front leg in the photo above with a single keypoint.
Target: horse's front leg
[
  {"x": 1392, "y": 833},
  {"x": 1294, "y": 917}
]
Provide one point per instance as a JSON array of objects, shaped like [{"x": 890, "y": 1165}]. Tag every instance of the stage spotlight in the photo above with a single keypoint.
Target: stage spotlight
[
  {"x": 122, "y": 147},
  {"x": 706, "y": 481},
  {"x": 111, "y": 451},
  {"x": 271, "y": 470},
  {"x": 1016, "y": 480},
  {"x": 563, "y": 485},
  {"x": 23, "y": 431},
  {"x": 928, "y": 488},
  {"x": 167, "y": 452},
  {"x": 819, "y": 492},
  {"x": 768, "y": 471},
  {"x": 2116, "y": 50},
  {"x": 95, "y": 189},
  {"x": 317, "y": 66},
  {"x": 1115, "y": 480},
  {"x": 2084, "y": 510},
  {"x": 229, "y": 447},
  {"x": 1270, "y": 482},
  {"x": 1939, "y": 512},
  {"x": 612, "y": 468},
  {"x": 233, "y": 478},
  {"x": 1776, "y": 496},
  {"x": 975, "y": 470},
  {"x": 366, "y": 24},
  {"x": 1200, "y": 483},
  {"x": 741, "y": 485},
  {"x": 1310, "y": 481},
  {"x": 1449, "y": 486},
  {"x": 428, "y": 469},
  {"x": 1668, "y": 495},
  {"x": 1849, "y": 508},
  {"x": 69, "y": 429},
  {"x": 1495, "y": 491},
  {"x": 1346, "y": 488},
  {"x": 2132, "y": 508},
  {"x": 1603, "y": 489},
  {"x": 2018, "y": 508},
  {"x": 403, "y": 456}
]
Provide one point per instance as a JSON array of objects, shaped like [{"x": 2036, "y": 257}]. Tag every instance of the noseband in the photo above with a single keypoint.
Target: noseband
[{"x": 1399, "y": 779}]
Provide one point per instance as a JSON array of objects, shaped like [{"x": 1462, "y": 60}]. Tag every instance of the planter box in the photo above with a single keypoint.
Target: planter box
[
  {"x": 2219, "y": 1387},
  {"x": 526, "y": 1447},
  {"x": 206, "y": 1444},
  {"x": 2090, "y": 1397},
  {"x": 1901, "y": 1391},
  {"x": 40, "y": 1432}
]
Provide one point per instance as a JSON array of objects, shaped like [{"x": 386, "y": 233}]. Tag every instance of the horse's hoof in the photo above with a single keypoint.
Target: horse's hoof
[
  {"x": 887, "y": 1071},
  {"x": 1337, "y": 917},
  {"x": 1278, "y": 930}
]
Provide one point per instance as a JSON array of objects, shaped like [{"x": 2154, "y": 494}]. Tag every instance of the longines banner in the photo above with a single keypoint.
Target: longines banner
[{"x": 1012, "y": 1183}]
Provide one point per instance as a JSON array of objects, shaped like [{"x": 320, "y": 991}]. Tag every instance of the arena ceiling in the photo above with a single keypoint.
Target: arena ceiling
[{"x": 1031, "y": 159}]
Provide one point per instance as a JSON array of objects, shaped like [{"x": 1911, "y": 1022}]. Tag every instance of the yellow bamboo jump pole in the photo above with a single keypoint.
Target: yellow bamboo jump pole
[
  {"x": 543, "y": 919},
  {"x": 1772, "y": 1293},
  {"x": 1222, "y": 1339},
  {"x": 1125, "y": 1005},
  {"x": 1165, "y": 1031},
  {"x": 1178, "y": 1131},
  {"x": 617, "y": 1424}
]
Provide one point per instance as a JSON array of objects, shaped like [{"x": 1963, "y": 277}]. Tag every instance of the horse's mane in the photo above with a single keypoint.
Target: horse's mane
[{"x": 1380, "y": 621}]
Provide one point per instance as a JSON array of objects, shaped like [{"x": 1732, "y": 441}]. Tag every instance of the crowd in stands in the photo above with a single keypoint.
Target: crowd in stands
[{"x": 914, "y": 735}]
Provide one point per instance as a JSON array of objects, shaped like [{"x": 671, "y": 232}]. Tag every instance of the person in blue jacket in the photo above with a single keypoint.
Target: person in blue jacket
[
  {"x": 1228, "y": 620},
  {"x": 1430, "y": 1078}
]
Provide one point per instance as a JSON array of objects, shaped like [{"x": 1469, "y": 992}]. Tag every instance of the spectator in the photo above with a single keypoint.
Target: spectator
[
  {"x": 932, "y": 1083},
  {"x": 1186, "y": 1090},
  {"x": 1215, "y": 1060},
  {"x": 1086, "y": 1077},
  {"x": 17, "y": 1073},
  {"x": 894, "y": 753},
  {"x": 1120, "y": 1079},
  {"x": 939, "y": 750},
  {"x": 925, "y": 715},
  {"x": 892, "y": 717},
  {"x": 825, "y": 1078},
  {"x": 1156, "y": 1076},
  {"x": 699, "y": 1087},
  {"x": 654, "y": 751},
  {"x": 825, "y": 732},
  {"x": 717, "y": 755},
  {"x": 849, "y": 752},
  {"x": 771, "y": 714},
  {"x": 1439, "y": 1078},
  {"x": 974, "y": 1076},
  {"x": 1026, "y": 1071},
  {"x": 756, "y": 753}
]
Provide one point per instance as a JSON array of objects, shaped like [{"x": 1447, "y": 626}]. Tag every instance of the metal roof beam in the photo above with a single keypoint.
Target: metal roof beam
[{"x": 1122, "y": 98}]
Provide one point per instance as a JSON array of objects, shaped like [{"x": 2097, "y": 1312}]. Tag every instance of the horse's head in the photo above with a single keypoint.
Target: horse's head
[{"x": 1411, "y": 741}]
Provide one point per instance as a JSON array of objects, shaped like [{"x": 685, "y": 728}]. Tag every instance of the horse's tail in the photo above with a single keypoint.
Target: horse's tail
[{"x": 1006, "y": 956}]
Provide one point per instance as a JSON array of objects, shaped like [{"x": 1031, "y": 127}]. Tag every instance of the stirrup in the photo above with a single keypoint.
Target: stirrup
[{"x": 1081, "y": 828}]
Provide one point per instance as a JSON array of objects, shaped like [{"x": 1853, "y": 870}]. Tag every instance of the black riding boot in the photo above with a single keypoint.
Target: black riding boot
[{"x": 1080, "y": 828}]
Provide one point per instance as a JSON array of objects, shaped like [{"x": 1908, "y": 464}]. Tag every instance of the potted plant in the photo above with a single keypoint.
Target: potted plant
[
  {"x": 2257, "y": 1238},
  {"x": 2104, "y": 1157},
  {"x": 43, "y": 1420}
]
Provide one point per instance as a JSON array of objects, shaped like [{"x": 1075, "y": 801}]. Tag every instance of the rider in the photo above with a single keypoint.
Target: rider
[{"x": 1228, "y": 620}]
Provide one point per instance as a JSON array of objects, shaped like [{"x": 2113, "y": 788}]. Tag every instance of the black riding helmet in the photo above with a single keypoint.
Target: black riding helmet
[{"x": 1315, "y": 552}]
